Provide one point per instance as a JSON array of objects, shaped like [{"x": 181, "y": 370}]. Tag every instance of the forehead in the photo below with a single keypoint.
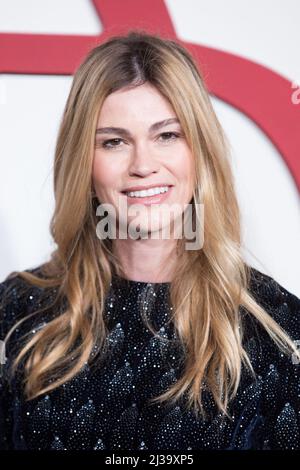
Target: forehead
[{"x": 141, "y": 103}]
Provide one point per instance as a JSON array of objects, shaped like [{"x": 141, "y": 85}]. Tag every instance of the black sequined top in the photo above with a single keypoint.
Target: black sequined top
[{"x": 108, "y": 407}]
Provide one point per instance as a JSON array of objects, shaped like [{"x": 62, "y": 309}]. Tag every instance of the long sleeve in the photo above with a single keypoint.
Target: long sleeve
[
  {"x": 282, "y": 383},
  {"x": 6, "y": 397},
  {"x": 6, "y": 412},
  {"x": 13, "y": 306},
  {"x": 287, "y": 426}
]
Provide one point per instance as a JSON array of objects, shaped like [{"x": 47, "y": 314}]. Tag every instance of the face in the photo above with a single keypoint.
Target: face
[{"x": 140, "y": 153}]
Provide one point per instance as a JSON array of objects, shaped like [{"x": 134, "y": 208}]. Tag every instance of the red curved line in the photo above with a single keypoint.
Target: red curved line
[{"x": 260, "y": 93}]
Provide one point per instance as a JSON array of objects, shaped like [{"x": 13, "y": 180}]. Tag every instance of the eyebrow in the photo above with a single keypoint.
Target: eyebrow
[{"x": 126, "y": 133}]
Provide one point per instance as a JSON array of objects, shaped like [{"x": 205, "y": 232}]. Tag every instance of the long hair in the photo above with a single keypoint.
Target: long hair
[{"x": 210, "y": 285}]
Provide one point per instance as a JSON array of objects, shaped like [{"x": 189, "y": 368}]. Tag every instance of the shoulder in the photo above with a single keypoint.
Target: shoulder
[
  {"x": 18, "y": 298},
  {"x": 284, "y": 308},
  {"x": 282, "y": 305}
]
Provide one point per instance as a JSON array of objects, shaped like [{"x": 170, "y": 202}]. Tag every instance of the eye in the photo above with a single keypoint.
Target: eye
[
  {"x": 114, "y": 143},
  {"x": 170, "y": 136},
  {"x": 108, "y": 143}
]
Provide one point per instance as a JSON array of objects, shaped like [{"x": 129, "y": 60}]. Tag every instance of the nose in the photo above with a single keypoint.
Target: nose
[{"x": 142, "y": 162}]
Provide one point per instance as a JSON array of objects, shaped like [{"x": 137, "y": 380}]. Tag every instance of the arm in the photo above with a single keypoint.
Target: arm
[
  {"x": 287, "y": 425},
  {"x": 284, "y": 307},
  {"x": 5, "y": 392}
]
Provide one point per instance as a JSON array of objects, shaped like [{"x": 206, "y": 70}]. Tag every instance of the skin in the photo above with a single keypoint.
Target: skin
[{"x": 143, "y": 158}]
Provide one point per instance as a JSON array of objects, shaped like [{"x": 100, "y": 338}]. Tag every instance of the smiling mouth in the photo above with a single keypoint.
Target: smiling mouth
[
  {"x": 153, "y": 191},
  {"x": 148, "y": 196}
]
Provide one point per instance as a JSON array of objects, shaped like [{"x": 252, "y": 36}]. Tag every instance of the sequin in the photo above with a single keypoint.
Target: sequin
[{"x": 109, "y": 408}]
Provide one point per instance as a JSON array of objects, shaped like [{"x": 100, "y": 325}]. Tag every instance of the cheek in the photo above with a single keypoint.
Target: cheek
[
  {"x": 183, "y": 167},
  {"x": 105, "y": 174}
]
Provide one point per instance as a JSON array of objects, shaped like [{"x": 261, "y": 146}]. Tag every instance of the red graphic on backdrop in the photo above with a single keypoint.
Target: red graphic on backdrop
[{"x": 260, "y": 93}]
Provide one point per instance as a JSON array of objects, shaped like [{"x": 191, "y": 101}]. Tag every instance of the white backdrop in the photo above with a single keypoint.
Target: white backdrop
[{"x": 266, "y": 31}]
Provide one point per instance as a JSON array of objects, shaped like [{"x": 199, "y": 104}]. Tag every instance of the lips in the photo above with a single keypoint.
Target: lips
[
  {"x": 141, "y": 188},
  {"x": 148, "y": 200}
]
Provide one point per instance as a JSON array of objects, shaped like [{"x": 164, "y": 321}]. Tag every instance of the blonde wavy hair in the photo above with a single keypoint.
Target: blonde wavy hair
[{"x": 210, "y": 285}]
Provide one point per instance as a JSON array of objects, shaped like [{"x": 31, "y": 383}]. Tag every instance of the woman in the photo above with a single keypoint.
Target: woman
[{"x": 141, "y": 342}]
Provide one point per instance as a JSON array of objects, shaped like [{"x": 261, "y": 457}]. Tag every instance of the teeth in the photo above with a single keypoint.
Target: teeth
[{"x": 148, "y": 192}]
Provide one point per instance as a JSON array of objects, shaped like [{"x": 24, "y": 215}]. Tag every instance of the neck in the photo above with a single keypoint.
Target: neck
[{"x": 146, "y": 260}]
